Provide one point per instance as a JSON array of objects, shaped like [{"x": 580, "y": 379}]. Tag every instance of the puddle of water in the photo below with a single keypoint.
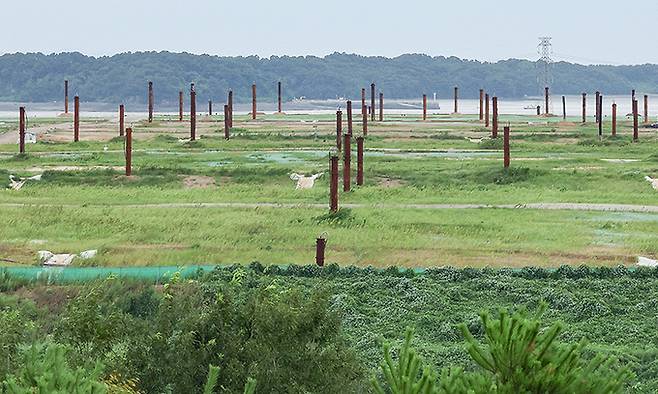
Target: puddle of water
[{"x": 218, "y": 163}]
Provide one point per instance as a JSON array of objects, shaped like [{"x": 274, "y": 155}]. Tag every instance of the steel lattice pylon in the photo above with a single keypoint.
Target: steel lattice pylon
[{"x": 544, "y": 65}]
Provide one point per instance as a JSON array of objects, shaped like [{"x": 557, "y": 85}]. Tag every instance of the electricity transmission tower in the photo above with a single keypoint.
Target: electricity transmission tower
[{"x": 544, "y": 64}]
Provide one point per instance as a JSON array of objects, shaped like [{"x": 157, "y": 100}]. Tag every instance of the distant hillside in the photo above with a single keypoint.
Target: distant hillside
[{"x": 123, "y": 77}]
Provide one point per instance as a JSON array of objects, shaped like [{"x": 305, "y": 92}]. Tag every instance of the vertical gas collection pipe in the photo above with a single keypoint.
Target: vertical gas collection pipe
[
  {"x": 614, "y": 120},
  {"x": 21, "y": 130},
  {"x": 424, "y": 107},
  {"x": 564, "y": 108},
  {"x": 209, "y": 107},
  {"x": 150, "y": 101},
  {"x": 227, "y": 125},
  {"x": 486, "y": 110},
  {"x": 230, "y": 108},
  {"x": 646, "y": 109},
  {"x": 333, "y": 184},
  {"x": 253, "y": 101},
  {"x": 339, "y": 128},
  {"x": 598, "y": 108},
  {"x": 363, "y": 101},
  {"x": 180, "y": 105},
  {"x": 364, "y": 113},
  {"x": 546, "y": 100},
  {"x": 636, "y": 134},
  {"x": 129, "y": 150},
  {"x": 122, "y": 115},
  {"x": 456, "y": 99},
  {"x": 372, "y": 101},
  {"x": 192, "y": 113},
  {"x": 600, "y": 116},
  {"x": 584, "y": 107},
  {"x": 506, "y": 152},
  {"x": 76, "y": 118},
  {"x": 359, "y": 161},
  {"x": 349, "y": 117},
  {"x": 320, "y": 245},
  {"x": 494, "y": 128},
  {"x": 66, "y": 96},
  {"x": 347, "y": 161},
  {"x": 381, "y": 107},
  {"x": 280, "y": 106}
]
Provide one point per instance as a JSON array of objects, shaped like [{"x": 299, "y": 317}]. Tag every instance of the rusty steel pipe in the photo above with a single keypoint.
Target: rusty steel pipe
[
  {"x": 230, "y": 108},
  {"x": 359, "y": 161},
  {"x": 363, "y": 101},
  {"x": 209, "y": 107},
  {"x": 381, "y": 107},
  {"x": 347, "y": 161},
  {"x": 546, "y": 100},
  {"x": 180, "y": 105},
  {"x": 584, "y": 107},
  {"x": 129, "y": 150},
  {"x": 456, "y": 100},
  {"x": 333, "y": 184},
  {"x": 150, "y": 99},
  {"x": 646, "y": 109},
  {"x": 481, "y": 103},
  {"x": 600, "y": 116},
  {"x": 339, "y": 128},
  {"x": 253, "y": 102},
  {"x": 424, "y": 107},
  {"x": 227, "y": 124},
  {"x": 349, "y": 117},
  {"x": 486, "y": 110},
  {"x": 122, "y": 116},
  {"x": 636, "y": 132},
  {"x": 279, "y": 96},
  {"x": 21, "y": 129},
  {"x": 564, "y": 108},
  {"x": 66, "y": 96},
  {"x": 192, "y": 113},
  {"x": 372, "y": 101},
  {"x": 506, "y": 152},
  {"x": 598, "y": 108},
  {"x": 76, "y": 118},
  {"x": 365, "y": 120},
  {"x": 494, "y": 128},
  {"x": 320, "y": 245},
  {"x": 614, "y": 120}
]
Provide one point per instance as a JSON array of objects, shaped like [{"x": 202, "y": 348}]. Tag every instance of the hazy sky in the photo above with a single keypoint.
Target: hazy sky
[{"x": 583, "y": 31}]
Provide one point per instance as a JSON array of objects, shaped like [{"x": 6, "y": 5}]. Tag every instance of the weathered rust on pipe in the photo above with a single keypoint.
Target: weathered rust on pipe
[
  {"x": 192, "y": 113},
  {"x": 486, "y": 110},
  {"x": 364, "y": 123},
  {"x": 76, "y": 118},
  {"x": 66, "y": 96},
  {"x": 180, "y": 105},
  {"x": 598, "y": 108},
  {"x": 424, "y": 107},
  {"x": 546, "y": 100},
  {"x": 494, "y": 128},
  {"x": 614, "y": 120},
  {"x": 456, "y": 100},
  {"x": 129, "y": 150},
  {"x": 601, "y": 116},
  {"x": 506, "y": 152},
  {"x": 150, "y": 101},
  {"x": 230, "y": 108},
  {"x": 646, "y": 109},
  {"x": 253, "y": 102},
  {"x": 481, "y": 105},
  {"x": 279, "y": 97},
  {"x": 372, "y": 101},
  {"x": 209, "y": 107},
  {"x": 381, "y": 107},
  {"x": 333, "y": 184},
  {"x": 122, "y": 116},
  {"x": 636, "y": 133},
  {"x": 339, "y": 128},
  {"x": 363, "y": 101},
  {"x": 21, "y": 129},
  {"x": 227, "y": 125},
  {"x": 359, "y": 161},
  {"x": 564, "y": 108},
  {"x": 584, "y": 107},
  {"x": 349, "y": 117},
  {"x": 320, "y": 245},
  {"x": 538, "y": 110},
  {"x": 347, "y": 161}
]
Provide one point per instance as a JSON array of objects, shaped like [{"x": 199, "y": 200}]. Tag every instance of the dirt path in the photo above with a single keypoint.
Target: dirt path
[
  {"x": 540, "y": 206},
  {"x": 11, "y": 136}
]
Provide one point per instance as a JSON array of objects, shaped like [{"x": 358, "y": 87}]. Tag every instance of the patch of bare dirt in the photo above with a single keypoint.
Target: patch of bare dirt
[
  {"x": 199, "y": 182},
  {"x": 390, "y": 183}
]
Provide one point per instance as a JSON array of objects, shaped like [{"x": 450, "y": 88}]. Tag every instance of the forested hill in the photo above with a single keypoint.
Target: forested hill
[{"x": 123, "y": 77}]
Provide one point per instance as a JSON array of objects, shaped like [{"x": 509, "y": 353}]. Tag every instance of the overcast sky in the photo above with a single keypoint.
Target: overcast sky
[{"x": 583, "y": 31}]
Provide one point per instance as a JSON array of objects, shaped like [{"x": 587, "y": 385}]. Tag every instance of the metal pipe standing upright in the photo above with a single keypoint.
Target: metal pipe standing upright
[
  {"x": 253, "y": 101},
  {"x": 76, "y": 118},
  {"x": 539, "y": 110},
  {"x": 506, "y": 152},
  {"x": 359, "y": 160},
  {"x": 349, "y": 117},
  {"x": 230, "y": 108},
  {"x": 456, "y": 100},
  {"x": 598, "y": 108},
  {"x": 333, "y": 184},
  {"x": 129, "y": 151},
  {"x": 601, "y": 116},
  {"x": 279, "y": 96},
  {"x": 646, "y": 109},
  {"x": 66, "y": 96},
  {"x": 494, "y": 128},
  {"x": 636, "y": 133},
  {"x": 320, "y": 245},
  {"x": 486, "y": 110},
  {"x": 339, "y": 128},
  {"x": 209, "y": 107},
  {"x": 122, "y": 115},
  {"x": 372, "y": 101},
  {"x": 632, "y": 97},
  {"x": 546, "y": 100},
  {"x": 424, "y": 107},
  {"x": 21, "y": 129},
  {"x": 363, "y": 101},
  {"x": 614, "y": 119},
  {"x": 584, "y": 107},
  {"x": 192, "y": 113},
  {"x": 364, "y": 123},
  {"x": 150, "y": 101},
  {"x": 481, "y": 103},
  {"x": 180, "y": 105},
  {"x": 347, "y": 161},
  {"x": 381, "y": 106},
  {"x": 564, "y": 108},
  {"x": 227, "y": 126}
]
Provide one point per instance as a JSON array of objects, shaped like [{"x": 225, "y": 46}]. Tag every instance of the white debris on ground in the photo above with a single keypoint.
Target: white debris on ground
[
  {"x": 30, "y": 138},
  {"x": 646, "y": 262},
  {"x": 476, "y": 140},
  {"x": 17, "y": 183},
  {"x": 64, "y": 259},
  {"x": 653, "y": 181},
  {"x": 303, "y": 181}
]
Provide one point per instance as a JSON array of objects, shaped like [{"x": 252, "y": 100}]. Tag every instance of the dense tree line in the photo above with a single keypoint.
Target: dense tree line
[{"x": 36, "y": 77}]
